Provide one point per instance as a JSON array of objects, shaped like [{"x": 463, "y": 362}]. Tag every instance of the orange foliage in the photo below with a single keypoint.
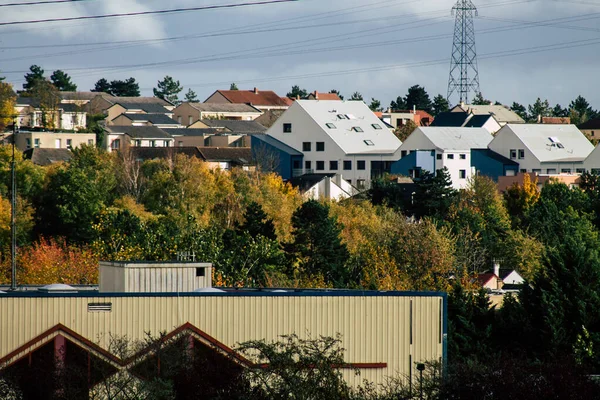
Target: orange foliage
[{"x": 54, "y": 261}]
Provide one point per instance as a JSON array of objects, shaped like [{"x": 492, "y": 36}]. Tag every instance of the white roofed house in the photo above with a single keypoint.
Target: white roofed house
[
  {"x": 502, "y": 114},
  {"x": 343, "y": 137},
  {"x": 188, "y": 113},
  {"x": 433, "y": 148},
  {"x": 543, "y": 149}
]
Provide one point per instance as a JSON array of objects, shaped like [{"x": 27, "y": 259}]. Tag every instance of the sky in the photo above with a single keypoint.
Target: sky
[{"x": 526, "y": 49}]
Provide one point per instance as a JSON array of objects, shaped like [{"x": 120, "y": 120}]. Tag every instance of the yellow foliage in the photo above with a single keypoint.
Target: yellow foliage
[
  {"x": 7, "y": 105},
  {"x": 128, "y": 203}
]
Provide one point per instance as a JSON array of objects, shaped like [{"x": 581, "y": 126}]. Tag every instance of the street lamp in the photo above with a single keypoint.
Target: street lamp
[
  {"x": 420, "y": 368},
  {"x": 13, "y": 213}
]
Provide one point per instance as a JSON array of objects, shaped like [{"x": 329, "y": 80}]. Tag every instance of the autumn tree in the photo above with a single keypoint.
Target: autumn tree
[
  {"x": 404, "y": 131},
  {"x": 520, "y": 198},
  {"x": 316, "y": 248},
  {"x": 62, "y": 81},
  {"x": 7, "y": 105},
  {"x": 48, "y": 97},
  {"x": 168, "y": 89},
  {"x": 35, "y": 75},
  {"x": 191, "y": 96}
]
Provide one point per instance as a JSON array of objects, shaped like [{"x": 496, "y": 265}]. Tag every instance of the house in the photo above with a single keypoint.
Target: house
[
  {"x": 135, "y": 119},
  {"x": 338, "y": 137},
  {"x": 227, "y": 157},
  {"x": 141, "y": 154},
  {"x": 103, "y": 101},
  {"x": 502, "y": 114},
  {"x": 272, "y": 155},
  {"x": 237, "y": 127},
  {"x": 45, "y": 157},
  {"x": 78, "y": 98},
  {"x": 330, "y": 186},
  {"x": 539, "y": 148},
  {"x": 505, "y": 182},
  {"x": 263, "y": 100},
  {"x": 322, "y": 96},
  {"x": 188, "y": 113},
  {"x": 123, "y": 137},
  {"x": 493, "y": 165},
  {"x": 399, "y": 118},
  {"x": 53, "y": 140},
  {"x": 591, "y": 129},
  {"x": 555, "y": 120},
  {"x": 432, "y": 148},
  {"x": 196, "y": 137},
  {"x": 268, "y": 118},
  {"x": 490, "y": 281},
  {"x": 128, "y": 107},
  {"x": 67, "y": 116},
  {"x": 467, "y": 120}
]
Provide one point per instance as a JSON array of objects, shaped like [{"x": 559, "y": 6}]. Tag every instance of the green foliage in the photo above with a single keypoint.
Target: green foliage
[
  {"x": 233, "y": 86},
  {"x": 404, "y": 131},
  {"x": 191, "y": 96},
  {"x": 168, "y": 89},
  {"x": 33, "y": 77},
  {"x": 539, "y": 109},
  {"x": 257, "y": 222},
  {"x": 338, "y": 93},
  {"x": 520, "y": 110},
  {"x": 440, "y": 104},
  {"x": 62, "y": 81},
  {"x": 127, "y": 88},
  {"x": 102, "y": 85},
  {"x": 418, "y": 98},
  {"x": 558, "y": 111},
  {"x": 433, "y": 194},
  {"x": 317, "y": 248},
  {"x": 479, "y": 100},
  {"x": 297, "y": 93},
  {"x": 375, "y": 105},
  {"x": 357, "y": 96},
  {"x": 580, "y": 111}
]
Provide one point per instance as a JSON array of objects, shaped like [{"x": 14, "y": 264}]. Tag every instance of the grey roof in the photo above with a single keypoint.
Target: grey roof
[
  {"x": 80, "y": 95},
  {"x": 455, "y": 119},
  {"x": 225, "y": 107},
  {"x": 191, "y": 132},
  {"x": 69, "y": 107},
  {"x": 34, "y": 102},
  {"x": 271, "y": 141},
  {"x": 478, "y": 121},
  {"x": 140, "y": 100},
  {"x": 502, "y": 113},
  {"x": 268, "y": 118},
  {"x": 237, "y": 155},
  {"x": 139, "y": 132},
  {"x": 155, "y": 119},
  {"x": 542, "y": 140},
  {"x": 147, "y": 107},
  {"x": 41, "y": 156},
  {"x": 451, "y": 138},
  {"x": 151, "y": 153},
  {"x": 235, "y": 126}
]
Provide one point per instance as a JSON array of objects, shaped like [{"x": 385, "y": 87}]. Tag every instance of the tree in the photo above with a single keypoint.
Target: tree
[
  {"x": 49, "y": 98},
  {"x": 168, "y": 89},
  {"x": 440, "y": 105},
  {"x": 375, "y": 105},
  {"x": 257, "y": 222},
  {"x": 7, "y": 105},
  {"x": 62, "y": 81},
  {"x": 337, "y": 92},
  {"x": 404, "y": 131},
  {"x": 35, "y": 75},
  {"x": 191, "y": 96},
  {"x": 126, "y": 88},
  {"x": 356, "y": 96},
  {"x": 399, "y": 104},
  {"x": 102, "y": 85},
  {"x": 539, "y": 109},
  {"x": 316, "y": 248},
  {"x": 297, "y": 93},
  {"x": 478, "y": 100},
  {"x": 434, "y": 194},
  {"x": 580, "y": 110},
  {"x": 560, "y": 112},
  {"x": 418, "y": 98},
  {"x": 520, "y": 110},
  {"x": 233, "y": 86}
]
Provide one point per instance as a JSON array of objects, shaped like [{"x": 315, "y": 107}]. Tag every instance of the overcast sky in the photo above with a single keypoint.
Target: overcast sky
[{"x": 526, "y": 49}]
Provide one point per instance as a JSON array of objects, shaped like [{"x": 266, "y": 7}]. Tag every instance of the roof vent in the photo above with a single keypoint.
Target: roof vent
[
  {"x": 209, "y": 290},
  {"x": 57, "y": 288}
]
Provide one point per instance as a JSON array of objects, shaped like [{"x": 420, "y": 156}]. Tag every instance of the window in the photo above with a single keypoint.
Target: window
[
  {"x": 333, "y": 165},
  {"x": 28, "y": 141},
  {"x": 296, "y": 164},
  {"x": 521, "y": 154},
  {"x": 592, "y": 134},
  {"x": 320, "y": 165},
  {"x": 560, "y": 145},
  {"x": 287, "y": 128},
  {"x": 306, "y": 146},
  {"x": 347, "y": 165},
  {"x": 376, "y": 126},
  {"x": 565, "y": 171},
  {"x": 595, "y": 171},
  {"x": 341, "y": 116},
  {"x": 330, "y": 125},
  {"x": 579, "y": 170},
  {"x": 360, "y": 184},
  {"x": 462, "y": 174},
  {"x": 536, "y": 171},
  {"x": 70, "y": 143},
  {"x": 361, "y": 165},
  {"x": 180, "y": 143},
  {"x": 91, "y": 142},
  {"x": 138, "y": 143},
  {"x": 200, "y": 272},
  {"x": 551, "y": 171},
  {"x": 369, "y": 142},
  {"x": 190, "y": 119},
  {"x": 523, "y": 170},
  {"x": 350, "y": 116},
  {"x": 37, "y": 143},
  {"x": 403, "y": 153},
  {"x": 153, "y": 143},
  {"x": 307, "y": 165},
  {"x": 513, "y": 154},
  {"x": 450, "y": 156},
  {"x": 438, "y": 156},
  {"x": 320, "y": 146},
  {"x": 462, "y": 156},
  {"x": 357, "y": 129},
  {"x": 167, "y": 143},
  {"x": 116, "y": 144}
]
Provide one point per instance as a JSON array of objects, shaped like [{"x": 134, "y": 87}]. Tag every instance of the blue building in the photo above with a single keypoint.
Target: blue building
[
  {"x": 492, "y": 164},
  {"x": 272, "y": 155},
  {"x": 414, "y": 162}
]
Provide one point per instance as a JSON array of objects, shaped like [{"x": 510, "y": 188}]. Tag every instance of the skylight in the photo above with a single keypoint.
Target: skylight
[
  {"x": 369, "y": 142},
  {"x": 350, "y": 116},
  {"x": 330, "y": 125},
  {"x": 376, "y": 126},
  {"x": 342, "y": 116},
  {"x": 357, "y": 129}
]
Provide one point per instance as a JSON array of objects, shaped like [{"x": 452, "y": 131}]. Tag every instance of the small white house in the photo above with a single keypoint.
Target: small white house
[
  {"x": 336, "y": 136},
  {"x": 451, "y": 148},
  {"x": 544, "y": 149}
]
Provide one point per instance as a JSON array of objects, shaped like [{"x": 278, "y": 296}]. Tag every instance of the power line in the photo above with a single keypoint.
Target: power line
[
  {"x": 138, "y": 13},
  {"x": 34, "y": 3}
]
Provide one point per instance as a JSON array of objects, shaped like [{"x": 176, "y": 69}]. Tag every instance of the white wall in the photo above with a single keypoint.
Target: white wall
[{"x": 506, "y": 140}]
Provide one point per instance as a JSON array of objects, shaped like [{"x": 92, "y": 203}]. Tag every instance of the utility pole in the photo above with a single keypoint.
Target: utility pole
[
  {"x": 13, "y": 213},
  {"x": 464, "y": 77}
]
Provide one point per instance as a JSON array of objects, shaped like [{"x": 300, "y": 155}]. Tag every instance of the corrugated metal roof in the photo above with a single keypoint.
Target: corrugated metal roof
[
  {"x": 356, "y": 114},
  {"x": 452, "y": 138},
  {"x": 567, "y": 143}
]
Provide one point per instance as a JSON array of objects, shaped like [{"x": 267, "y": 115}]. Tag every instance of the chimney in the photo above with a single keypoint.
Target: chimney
[
  {"x": 539, "y": 118},
  {"x": 255, "y": 91},
  {"x": 414, "y": 108},
  {"x": 462, "y": 104},
  {"x": 316, "y": 95},
  {"x": 497, "y": 268}
]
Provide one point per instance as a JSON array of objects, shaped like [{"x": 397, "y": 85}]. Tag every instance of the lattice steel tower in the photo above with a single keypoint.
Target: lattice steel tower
[{"x": 464, "y": 77}]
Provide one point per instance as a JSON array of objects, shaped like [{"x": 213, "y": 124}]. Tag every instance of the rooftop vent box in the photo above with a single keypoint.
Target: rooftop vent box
[
  {"x": 57, "y": 288},
  {"x": 154, "y": 277}
]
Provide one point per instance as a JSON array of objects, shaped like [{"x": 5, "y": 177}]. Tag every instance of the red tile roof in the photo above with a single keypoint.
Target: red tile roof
[
  {"x": 253, "y": 97},
  {"x": 288, "y": 100},
  {"x": 556, "y": 120},
  {"x": 485, "y": 278},
  {"x": 324, "y": 96}
]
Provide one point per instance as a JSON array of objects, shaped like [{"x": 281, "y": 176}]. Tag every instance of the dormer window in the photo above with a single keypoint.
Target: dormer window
[{"x": 357, "y": 129}]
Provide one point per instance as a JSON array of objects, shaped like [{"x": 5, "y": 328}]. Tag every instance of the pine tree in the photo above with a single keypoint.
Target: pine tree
[
  {"x": 35, "y": 75},
  {"x": 317, "y": 247},
  {"x": 434, "y": 194},
  {"x": 62, "y": 81},
  {"x": 102, "y": 85},
  {"x": 375, "y": 105},
  {"x": 257, "y": 222},
  {"x": 126, "y": 88},
  {"x": 520, "y": 110},
  {"x": 356, "y": 96},
  {"x": 440, "y": 105},
  {"x": 337, "y": 92},
  {"x": 418, "y": 98},
  {"x": 233, "y": 86},
  {"x": 191, "y": 96},
  {"x": 168, "y": 89},
  {"x": 296, "y": 92}
]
